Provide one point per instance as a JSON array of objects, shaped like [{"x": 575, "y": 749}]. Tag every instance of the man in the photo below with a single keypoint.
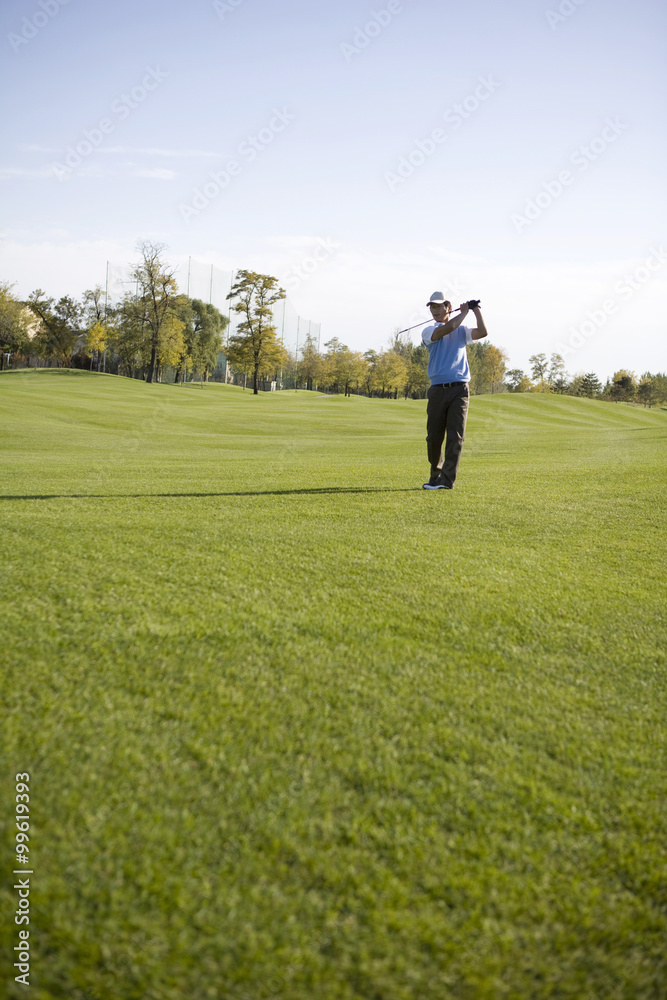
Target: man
[{"x": 448, "y": 370}]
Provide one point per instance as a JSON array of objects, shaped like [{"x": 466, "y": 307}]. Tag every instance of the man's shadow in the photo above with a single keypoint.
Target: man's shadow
[{"x": 323, "y": 490}]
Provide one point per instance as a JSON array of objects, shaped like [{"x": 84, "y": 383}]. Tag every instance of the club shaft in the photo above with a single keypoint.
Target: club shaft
[{"x": 424, "y": 323}]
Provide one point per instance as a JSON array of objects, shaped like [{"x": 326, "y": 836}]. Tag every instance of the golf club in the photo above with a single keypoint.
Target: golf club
[{"x": 472, "y": 304}]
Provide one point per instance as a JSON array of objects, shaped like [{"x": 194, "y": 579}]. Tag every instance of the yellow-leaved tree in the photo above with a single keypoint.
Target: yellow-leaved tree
[
  {"x": 14, "y": 324},
  {"x": 255, "y": 347},
  {"x": 496, "y": 360},
  {"x": 171, "y": 341},
  {"x": 97, "y": 337},
  {"x": 157, "y": 292},
  {"x": 390, "y": 372}
]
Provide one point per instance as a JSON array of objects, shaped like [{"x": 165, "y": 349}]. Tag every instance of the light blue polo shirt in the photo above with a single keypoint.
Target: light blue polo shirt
[{"x": 447, "y": 357}]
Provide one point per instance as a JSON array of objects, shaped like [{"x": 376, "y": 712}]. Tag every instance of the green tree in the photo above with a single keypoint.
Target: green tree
[
  {"x": 623, "y": 386},
  {"x": 131, "y": 335},
  {"x": 659, "y": 380},
  {"x": 242, "y": 353},
  {"x": 496, "y": 359},
  {"x": 516, "y": 380},
  {"x": 331, "y": 371},
  {"x": 371, "y": 358},
  {"x": 341, "y": 367},
  {"x": 590, "y": 385},
  {"x": 417, "y": 380},
  {"x": 94, "y": 306},
  {"x": 391, "y": 372},
  {"x": 646, "y": 391},
  {"x": 14, "y": 324},
  {"x": 478, "y": 362},
  {"x": 203, "y": 335},
  {"x": 539, "y": 367},
  {"x": 402, "y": 345},
  {"x": 351, "y": 369},
  {"x": 575, "y": 383},
  {"x": 59, "y": 326},
  {"x": 256, "y": 345},
  {"x": 556, "y": 376},
  {"x": 310, "y": 366},
  {"x": 157, "y": 292},
  {"x": 98, "y": 322},
  {"x": 487, "y": 367}
]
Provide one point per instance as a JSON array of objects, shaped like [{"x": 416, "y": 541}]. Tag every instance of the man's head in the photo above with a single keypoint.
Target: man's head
[{"x": 440, "y": 307}]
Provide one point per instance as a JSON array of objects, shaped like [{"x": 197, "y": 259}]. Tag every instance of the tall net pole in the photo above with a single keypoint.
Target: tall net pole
[
  {"x": 229, "y": 329},
  {"x": 106, "y": 309},
  {"x": 296, "y": 357}
]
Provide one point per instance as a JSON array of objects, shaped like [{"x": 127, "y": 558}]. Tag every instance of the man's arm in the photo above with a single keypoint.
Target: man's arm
[
  {"x": 480, "y": 331},
  {"x": 452, "y": 324}
]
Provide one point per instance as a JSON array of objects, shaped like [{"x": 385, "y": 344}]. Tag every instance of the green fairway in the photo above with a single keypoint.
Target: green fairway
[{"x": 299, "y": 729}]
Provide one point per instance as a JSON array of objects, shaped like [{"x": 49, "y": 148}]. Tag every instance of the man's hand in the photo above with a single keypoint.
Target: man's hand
[{"x": 448, "y": 325}]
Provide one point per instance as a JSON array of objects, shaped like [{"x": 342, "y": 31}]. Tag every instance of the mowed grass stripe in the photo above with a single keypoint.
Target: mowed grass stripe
[{"x": 362, "y": 741}]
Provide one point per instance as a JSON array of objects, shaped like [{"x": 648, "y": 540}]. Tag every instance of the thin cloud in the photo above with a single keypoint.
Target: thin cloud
[
  {"x": 89, "y": 170},
  {"x": 157, "y": 173},
  {"x": 128, "y": 169},
  {"x": 151, "y": 151},
  {"x": 35, "y": 148},
  {"x": 127, "y": 150},
  {"x": 453, "y": 257},
  {"x": 291, "y": 242},
  {"x": 27, "y": 173}
]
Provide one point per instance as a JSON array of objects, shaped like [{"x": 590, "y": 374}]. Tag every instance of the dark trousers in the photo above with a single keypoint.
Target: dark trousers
[{"x": 446, "y": 414}]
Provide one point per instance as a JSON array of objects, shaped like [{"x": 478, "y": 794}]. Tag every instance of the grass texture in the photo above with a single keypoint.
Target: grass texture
[{"x": 298, "y": 729}]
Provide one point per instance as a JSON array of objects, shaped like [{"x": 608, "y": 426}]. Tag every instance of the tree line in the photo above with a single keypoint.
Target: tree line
[
  {"x": 151, "y": 330},
  {"x": 401, "y": 369},
  {"x": 158, "y": 334},
  {"x": 549, "y": 375}
]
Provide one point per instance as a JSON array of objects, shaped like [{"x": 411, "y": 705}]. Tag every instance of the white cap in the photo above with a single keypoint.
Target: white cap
[{"x": 437, "y": 299}]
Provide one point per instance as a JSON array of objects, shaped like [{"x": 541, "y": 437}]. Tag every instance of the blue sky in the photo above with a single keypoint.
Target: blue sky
[{"x": 510, "y": 152}]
